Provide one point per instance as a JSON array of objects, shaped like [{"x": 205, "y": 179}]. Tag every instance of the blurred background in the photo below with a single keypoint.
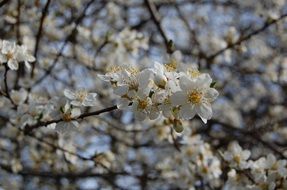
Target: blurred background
[{"x": 241, "y": 44}]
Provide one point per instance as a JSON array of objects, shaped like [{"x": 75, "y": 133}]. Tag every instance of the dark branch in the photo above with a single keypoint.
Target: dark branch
[
  {"x": 156, "y": 19},
  {"x": 247, "y": 37},
  {"x": 39, "y": 34},
  {"x": 30, "y": 128}
]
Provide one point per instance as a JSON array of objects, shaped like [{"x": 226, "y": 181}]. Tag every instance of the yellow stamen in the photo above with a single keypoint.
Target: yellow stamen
[
  {"x": 171, "y": 66},
  {"x": 193, "y": 73},
  {"x": 237, "y": 159},
  {"x": 67, "y": 117},
  {"x": 133, "y": 85},
  {"x": 133, "y": 70},
  {"x": 195, "y": 97},
  {"x": 9, "y": 55},
  {"x": 142, "y": 104},
  {"x": 114, "y": 69},
  {"x": 81, "y": 95}
]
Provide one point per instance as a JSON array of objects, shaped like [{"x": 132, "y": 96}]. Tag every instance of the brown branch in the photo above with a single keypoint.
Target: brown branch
[
  {"x": 247, "y": 37},
  {"x": 30, "y": 128},
  {"x": 68, "y": 38},
  {"x": 39, "y": 34},
  {"x": 5, "y": 82},
  {"x": 156, "y": 19},
  {"x": 31, "y": 172},
  {"x": 2, "y": 3},
  {"x": 230, "y": 128}
]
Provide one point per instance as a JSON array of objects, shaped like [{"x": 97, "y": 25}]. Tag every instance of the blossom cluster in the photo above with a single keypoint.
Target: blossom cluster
[
  {"x": 13, "y": 54},
  {"x": 68, "y": 108},
  {"x": 174, "y": 90},
  {"x": 195, "y": 162},
  {"x": 263, "y": 173},
  {"x": 32, "y": 108}
]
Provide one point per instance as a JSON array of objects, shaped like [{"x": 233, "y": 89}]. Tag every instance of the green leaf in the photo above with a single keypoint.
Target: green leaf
[{"x": 212, "y": 85}]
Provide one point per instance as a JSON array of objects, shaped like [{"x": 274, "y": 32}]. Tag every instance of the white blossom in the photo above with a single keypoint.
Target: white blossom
[
  {"x": 12, "y": 54},
  {"x": 65, "y": 111},
  {"x": 195, "y": 97},
  {"x": 81, "y": 97},
  {"x": 236, "y": 156}
]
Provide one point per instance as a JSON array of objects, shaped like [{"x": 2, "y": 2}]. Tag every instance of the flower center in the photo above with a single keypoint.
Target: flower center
[
  {"x": 195, "y": 97},
  {"x": 81, "y": 95},
  {"x": 133, "y": 70},
  {"x": 171, "y": 66},
  {"x": 237, "y": 159},
  {"x": 9, "y": 55},
  {"x": 67, "y": 117},
  {"x": 142, "y": 104},
  {"x": 133, "y": 85},
  {"x": 114, "y": 69},
  {"x": 193, "y": 73}
]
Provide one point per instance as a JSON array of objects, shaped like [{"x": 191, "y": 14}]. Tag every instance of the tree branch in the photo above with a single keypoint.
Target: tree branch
[
  {"x": 156, "y": 19},
  {"x": 30, "y": 128},
  {"x": 247, "y": 37},
  {"x": 39, "y": 34}
]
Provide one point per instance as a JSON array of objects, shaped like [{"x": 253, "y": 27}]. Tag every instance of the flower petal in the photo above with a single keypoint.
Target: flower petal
[
  {"x": 69, "y": 94},
  {"x": 211, "y": 94},
  {"x": 204, "y": 111},
  {"x": 186, "y": 83},
  {"x": 13, "y": 64},
  {"x": 178, "y": 98},
  {"x": 187, "y": 111}
]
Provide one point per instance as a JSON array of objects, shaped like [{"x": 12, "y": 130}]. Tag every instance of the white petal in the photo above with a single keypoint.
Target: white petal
[
  {"x": 28, "y": 66},
  {"x": 154, "y": 113},
  {"x": 187, "y": 111},
  {"x": 144, "y": 78},
  {"x": 3, "y": 58},
  {"x": 75, "y": 112},
  {"x": 204, "y": 81},
  {"x": 140, "y": 115},
  {"x": 204, "y": 111},
  {"x": 166, "y": 110},
  {"x": 246, "y": 154},
  {"x": 61, "y": 127},
  {"x": 89, "y": 103},
  {"x": 186, "y": 83},
  {"x": 76, "y": 103},
  {"x": 121, "y": 90},
  {"x": 7, "y": 46},
  {"x": 13, "y": 64},
  {"x": 123, "y": 103},
  {"x": 158, "y": 68},
  {"x": 104, "y": 77},
  {"x": 69, "y": 94},
  {"x": 92, "y": 96},
  {"x": 31, "y": 58},
  {"x": 178, "y": 98},
  {"x": 211, "y": 94},
  {"x": 177, "y": 55}
]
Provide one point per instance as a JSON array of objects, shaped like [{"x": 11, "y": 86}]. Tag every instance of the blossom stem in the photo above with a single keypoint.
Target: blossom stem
[
  {"x": 5, "y": 82},
  {"x": 30, "y": 128}
]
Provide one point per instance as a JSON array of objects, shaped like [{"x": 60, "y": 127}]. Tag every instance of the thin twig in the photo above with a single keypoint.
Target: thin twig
[
  {"x": 247, "y": 37},
  {"x": 156, "y": 19},
  {"x": 77, "y": 22},
  {"x": 5, "y": 82},
  {"x": 30, "y": 128},
  {"x": 39, "y": 34},
  {"x": 3, "y": 3}
]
